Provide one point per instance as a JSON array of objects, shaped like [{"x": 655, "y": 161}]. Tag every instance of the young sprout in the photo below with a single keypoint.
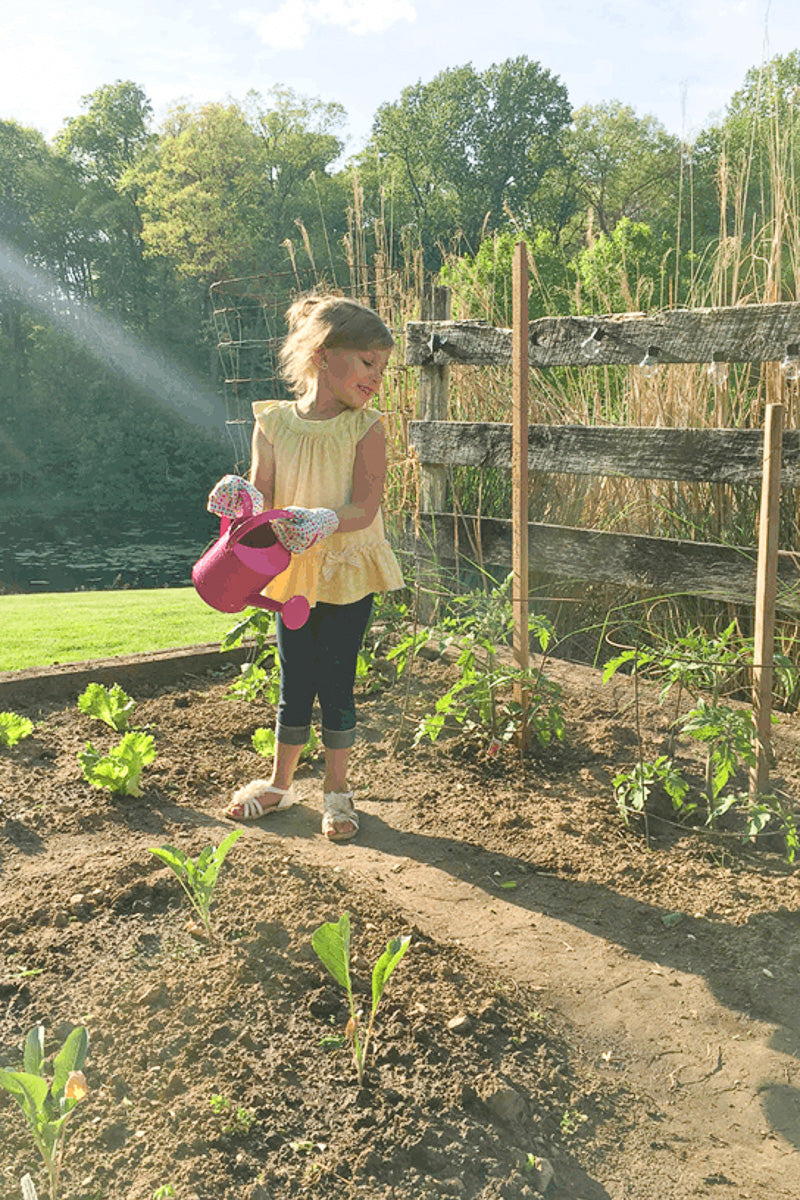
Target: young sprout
[
  {"x": 198, "y": 879},
  {"x": 46, "y": 1103},
  {"x": 331, "y": 943}
]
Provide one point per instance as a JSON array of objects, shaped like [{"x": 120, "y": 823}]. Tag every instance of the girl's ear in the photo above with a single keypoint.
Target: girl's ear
[{"x": 320, "y": 358}]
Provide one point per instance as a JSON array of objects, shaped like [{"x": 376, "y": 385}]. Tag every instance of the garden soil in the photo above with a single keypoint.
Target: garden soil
[{"x": 586, "y": 1011}]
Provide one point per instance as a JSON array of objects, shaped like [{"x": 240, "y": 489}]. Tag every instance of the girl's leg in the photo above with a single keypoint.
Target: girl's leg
[
  {"x": 295, "y": 654},
  {"x": 336, "y": 768},
  {"x": 342, "y": 630}
]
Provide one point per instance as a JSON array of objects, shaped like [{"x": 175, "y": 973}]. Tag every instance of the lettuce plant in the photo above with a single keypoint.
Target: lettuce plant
[
  {"x": 264, "y": 743},
  {"x": 121, "y": 769},
  {"x": 13, "y": 728},
  {"x": 47, "y": 1103},
  {"x": 198, "y": 879},
  {"x": 110, "y": 705},
  {"x": 331, "y": 943}
]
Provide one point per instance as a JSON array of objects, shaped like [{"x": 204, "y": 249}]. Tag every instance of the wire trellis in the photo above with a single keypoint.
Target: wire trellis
[{"x": 249, "y": 324}]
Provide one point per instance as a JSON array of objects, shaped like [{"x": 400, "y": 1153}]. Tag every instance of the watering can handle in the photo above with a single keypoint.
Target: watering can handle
[{"x": 260, "y": 519}]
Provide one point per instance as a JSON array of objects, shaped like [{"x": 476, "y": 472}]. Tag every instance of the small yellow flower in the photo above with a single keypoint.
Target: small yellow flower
[{"x": 76, "y": 1086}]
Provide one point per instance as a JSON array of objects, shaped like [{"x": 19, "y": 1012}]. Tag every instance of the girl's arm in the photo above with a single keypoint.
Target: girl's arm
[
  {"x": 369, "y": 475},
  {"x": 262, "y": 465}
]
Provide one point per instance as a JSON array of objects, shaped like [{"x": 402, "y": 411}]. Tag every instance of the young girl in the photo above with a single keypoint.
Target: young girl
[{"x": 327, "y": 450}]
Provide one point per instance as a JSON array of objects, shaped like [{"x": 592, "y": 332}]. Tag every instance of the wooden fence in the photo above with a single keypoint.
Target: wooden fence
[{"x": 763, "y": 333}]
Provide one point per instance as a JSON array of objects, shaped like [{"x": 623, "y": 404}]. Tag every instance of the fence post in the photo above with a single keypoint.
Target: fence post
[
  {"x": 766, "y": 586},
  {"x": 519, "y": 475},
  {"x": 432, "y": 406},
  {"x": 433, "y": 399}
]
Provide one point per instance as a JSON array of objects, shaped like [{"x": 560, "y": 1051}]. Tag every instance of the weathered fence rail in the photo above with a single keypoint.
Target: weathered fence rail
[
  {"x": 756, "y": 333},
  {"x": 689, "y": 455},
  {"x": 667, "y": 566}
]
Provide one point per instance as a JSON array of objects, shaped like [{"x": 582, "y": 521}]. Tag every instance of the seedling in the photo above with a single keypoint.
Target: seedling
[
  {"x": 255, "y": 680},
  {"x": 693, "y": 664},
  {"x": 632, "y": 788},
  {"x": 240, "y": 1120},
  {"x": 111, "y": 705},
  {"x": 331, "y": 943},
  {"x": 198, "y": 879},
  {"x": 264, "y": 743},
  {"x": 48, "y": 1104},
  {"x": 571, "y": 1121},
  {"x": 121, "y": 769},
  {"x": 13, "y": 728},
  {"x": 161, "y": 1193},
  {"x": 478, "y": 625}
]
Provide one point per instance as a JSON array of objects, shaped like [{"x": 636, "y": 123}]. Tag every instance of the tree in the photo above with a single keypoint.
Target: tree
[
  {"x": 456, "y": 152},
  {"x": 623, "y": 271},
  {"x": 623, "y": 165},
  {"x": 482, "y": 283},
  {"x": 104, "y": 143},
  {"x": 223, "y": 186}
]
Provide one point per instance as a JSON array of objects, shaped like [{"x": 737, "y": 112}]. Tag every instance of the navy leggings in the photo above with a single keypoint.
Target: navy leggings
[{"x": 319, "y": 660}]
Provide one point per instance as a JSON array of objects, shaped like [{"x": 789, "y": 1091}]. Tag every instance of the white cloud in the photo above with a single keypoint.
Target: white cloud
[{"x": 288, "y": 27}]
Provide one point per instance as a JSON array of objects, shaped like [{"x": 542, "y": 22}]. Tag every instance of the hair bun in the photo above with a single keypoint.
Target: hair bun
[{"x": 301, "y": 310}]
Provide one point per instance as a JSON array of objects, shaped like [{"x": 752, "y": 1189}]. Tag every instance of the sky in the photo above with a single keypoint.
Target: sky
[{"x": 678, "y": 60}]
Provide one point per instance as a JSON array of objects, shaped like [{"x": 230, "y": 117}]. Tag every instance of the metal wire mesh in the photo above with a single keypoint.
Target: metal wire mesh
[{"x": 249, "y": 325}]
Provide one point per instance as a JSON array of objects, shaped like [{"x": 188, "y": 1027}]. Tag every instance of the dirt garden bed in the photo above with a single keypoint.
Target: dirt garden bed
[{"x": 580, "y": 1013}]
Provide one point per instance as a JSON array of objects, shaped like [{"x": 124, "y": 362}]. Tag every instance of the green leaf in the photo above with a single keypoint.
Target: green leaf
[
  {"x": 32, "y": 1088},
  {"x": 509, "y": 885},
  {"x": 13, "y": 728},
  {"x": 226, "y": 844},
  {"x": 173, "y": 857},
  {"x": 233, "y": 636},
  {"x": 70, "y": 1057},
  {"x": 9, "y": 1081},
  {"x": 33, "y": 1051},
  {"x": 120, "y": 770},
  {"x": 383, "y": 968},
  {"x": 331, "y": 943},
  {"x": 264, "y": 742},
  {"x": 113, "y": 706}
]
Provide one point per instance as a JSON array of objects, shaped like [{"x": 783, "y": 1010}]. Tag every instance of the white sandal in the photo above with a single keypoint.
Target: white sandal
[
  {"x": 247, "y": 799},
  {"x": 338, "y": 808}
]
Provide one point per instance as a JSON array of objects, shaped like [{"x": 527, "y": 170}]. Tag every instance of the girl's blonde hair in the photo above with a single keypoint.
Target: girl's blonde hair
[{"x": 332, "y": 322}]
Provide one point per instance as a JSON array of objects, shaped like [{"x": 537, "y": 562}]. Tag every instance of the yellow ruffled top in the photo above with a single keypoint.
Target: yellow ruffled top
[{"x": 314, "y": 469}]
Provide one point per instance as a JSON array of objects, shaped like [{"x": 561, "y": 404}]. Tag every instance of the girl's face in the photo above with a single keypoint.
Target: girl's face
[{"x": 352, "y": 377}]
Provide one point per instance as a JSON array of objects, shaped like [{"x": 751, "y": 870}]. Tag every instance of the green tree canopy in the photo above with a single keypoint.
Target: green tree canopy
[
  {"x": 623, "y": 165},
  {"x": 456, "y": 152},
  {"x": 224, "y": 185}
]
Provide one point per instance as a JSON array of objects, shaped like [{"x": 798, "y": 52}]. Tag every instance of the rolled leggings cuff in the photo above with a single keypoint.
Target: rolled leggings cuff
[
  {"x": 292, "y": 735},
  {"x": 338, "y": 739}
]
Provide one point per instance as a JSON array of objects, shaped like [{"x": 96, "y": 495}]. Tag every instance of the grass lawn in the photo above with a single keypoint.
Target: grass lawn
[{"x": 63, "y": 627}]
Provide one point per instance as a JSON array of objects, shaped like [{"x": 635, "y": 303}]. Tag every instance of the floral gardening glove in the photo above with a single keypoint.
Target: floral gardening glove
[
  {"x": 228, "y": 498},
  {"x": 304, "y": 527}
]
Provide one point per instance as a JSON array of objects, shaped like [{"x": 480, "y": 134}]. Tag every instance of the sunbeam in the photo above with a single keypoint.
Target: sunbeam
[{"x": 129, "y": 356}]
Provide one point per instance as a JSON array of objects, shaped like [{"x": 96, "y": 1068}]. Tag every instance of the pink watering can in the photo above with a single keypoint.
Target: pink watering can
[{"x": 246, "y": 556}]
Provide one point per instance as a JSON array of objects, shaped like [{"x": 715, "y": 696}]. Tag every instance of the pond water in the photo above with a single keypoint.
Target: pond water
[{"x": 72, "y": 554}]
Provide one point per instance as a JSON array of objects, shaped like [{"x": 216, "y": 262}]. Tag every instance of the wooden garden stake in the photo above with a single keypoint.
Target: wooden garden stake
[
  {"x": 433, "y": 402},
  {"x": 519, "y": 475},
  {"x": 433, "y": 396},
  {"x": 766, "y": 586}
]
